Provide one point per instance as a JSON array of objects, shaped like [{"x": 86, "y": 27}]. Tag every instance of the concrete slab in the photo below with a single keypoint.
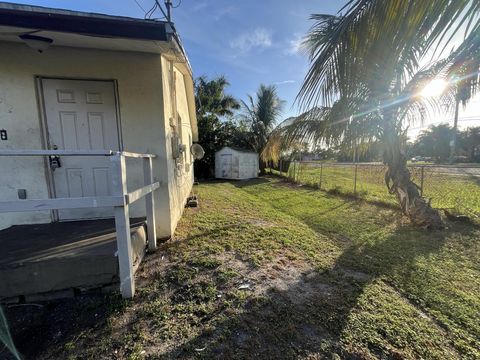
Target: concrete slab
[{"x": 51, "y": 257}]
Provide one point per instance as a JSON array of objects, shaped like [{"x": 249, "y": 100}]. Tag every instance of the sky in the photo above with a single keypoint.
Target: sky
[{"x": 251, "y": 42}]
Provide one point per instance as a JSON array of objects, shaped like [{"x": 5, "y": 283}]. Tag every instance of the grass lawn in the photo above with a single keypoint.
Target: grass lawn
[
  {"x": 264, "y": 269},
  {"x": 458, "y": 191}
]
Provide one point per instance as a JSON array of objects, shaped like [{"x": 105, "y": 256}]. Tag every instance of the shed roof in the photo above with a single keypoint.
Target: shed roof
[{"x": 239, "y": 149}]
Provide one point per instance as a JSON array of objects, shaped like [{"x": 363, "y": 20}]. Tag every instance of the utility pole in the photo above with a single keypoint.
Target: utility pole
[
  {"x": 454, "y": 133},
  {"x": 354, "y": 151},
  {"x": 168, "y": 5}
]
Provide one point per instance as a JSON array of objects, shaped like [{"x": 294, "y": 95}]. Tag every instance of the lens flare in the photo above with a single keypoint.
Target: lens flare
[{"x": 434, "y": 88}]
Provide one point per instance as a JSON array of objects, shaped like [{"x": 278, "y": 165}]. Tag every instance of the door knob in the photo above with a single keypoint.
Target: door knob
[{"x": 54, "y": 160}]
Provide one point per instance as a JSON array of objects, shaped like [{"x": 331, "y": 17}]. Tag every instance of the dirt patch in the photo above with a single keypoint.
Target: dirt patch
[
  {"x": 261, "y": 223},
  {"x": 176, "y": 303},
  {"x": 356, "y": 275},
  {"x": 296, "y": 280}
]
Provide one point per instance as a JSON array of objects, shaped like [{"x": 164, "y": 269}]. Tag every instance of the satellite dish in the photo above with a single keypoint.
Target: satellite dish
[{"x": 197, "y": 151}]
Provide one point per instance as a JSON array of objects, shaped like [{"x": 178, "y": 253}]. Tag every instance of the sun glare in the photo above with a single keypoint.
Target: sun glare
[{"x": 434, "y": 88}]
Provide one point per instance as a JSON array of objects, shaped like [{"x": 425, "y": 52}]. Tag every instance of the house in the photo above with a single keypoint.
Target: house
[
  {"x": 97, "y": 119},
  {"x": 236, "y": 164}
]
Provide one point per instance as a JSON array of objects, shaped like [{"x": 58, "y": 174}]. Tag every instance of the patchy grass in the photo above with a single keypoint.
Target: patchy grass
[
  {"x": 446, "y": 188},
  {"x": 265, "y": 269}
]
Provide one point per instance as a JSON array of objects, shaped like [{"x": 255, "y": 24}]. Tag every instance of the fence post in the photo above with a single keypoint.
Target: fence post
[
  {"x": 280, "y": 163},
  {"x": 122, "y": 226},
  {"x": 421, "y": 179},
  {"x": 299, "y": 171},
  {"x": 150, "y": 204},
  {"x": 294, "y": 170},
  {"x": 321, "y": 171},
  {"x": 355, "y": 180}
]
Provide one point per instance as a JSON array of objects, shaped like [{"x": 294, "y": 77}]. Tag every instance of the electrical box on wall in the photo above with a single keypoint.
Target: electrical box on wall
[
  {"x": 177, "y": 147},
  {"x": 22, "y": 194},
  {"x": 175, "y": 152},
  {"x": 3, "y": 134}
]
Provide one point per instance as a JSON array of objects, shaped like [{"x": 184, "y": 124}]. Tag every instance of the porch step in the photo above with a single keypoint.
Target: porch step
[{"x": 51, "y": 257}]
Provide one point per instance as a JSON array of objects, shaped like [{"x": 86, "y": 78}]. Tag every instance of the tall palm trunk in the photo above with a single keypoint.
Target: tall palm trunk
[
  {"x": 262, "y": 166},
  {"x": 399, "y": 182}
]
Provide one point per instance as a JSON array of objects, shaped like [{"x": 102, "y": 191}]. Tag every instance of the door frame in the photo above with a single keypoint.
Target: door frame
[
  {"x": 38, "y": 79},
  {"x": 231, "y": 165}
]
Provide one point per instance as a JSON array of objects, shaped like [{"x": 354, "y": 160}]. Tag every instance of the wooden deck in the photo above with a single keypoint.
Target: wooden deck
[{"x": 40, "y": 259}]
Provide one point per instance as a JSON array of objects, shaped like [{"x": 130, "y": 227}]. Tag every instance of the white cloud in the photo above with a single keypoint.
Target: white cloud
[
  {"x": 259, "y": 38},
  {"x": 294, "y": 46},
  {"x": 284, "y": 82}
]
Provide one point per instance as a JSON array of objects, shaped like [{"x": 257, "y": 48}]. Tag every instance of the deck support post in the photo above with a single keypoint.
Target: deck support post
[
  {"x": 122, "y": 226},
  {"x": 150, "y": 204}
]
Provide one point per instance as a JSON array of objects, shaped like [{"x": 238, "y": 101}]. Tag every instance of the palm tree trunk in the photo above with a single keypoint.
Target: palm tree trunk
[
  {"x": 262, "y": 167},
  {"x": 454, "y": 133},
  {"x": 399, "y": 182}
]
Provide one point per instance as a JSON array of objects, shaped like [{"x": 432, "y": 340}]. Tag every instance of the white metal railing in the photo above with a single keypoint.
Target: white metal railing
[{"x": 120, "y": 200}]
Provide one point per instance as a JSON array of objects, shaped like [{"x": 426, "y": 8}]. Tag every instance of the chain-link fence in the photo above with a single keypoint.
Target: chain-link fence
[{"x": 446, "y": 186}]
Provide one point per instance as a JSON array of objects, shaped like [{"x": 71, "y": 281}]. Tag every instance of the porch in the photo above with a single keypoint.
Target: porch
[
  {"x": 55, "y": 256},
  {"x": 47, "y": 260}
]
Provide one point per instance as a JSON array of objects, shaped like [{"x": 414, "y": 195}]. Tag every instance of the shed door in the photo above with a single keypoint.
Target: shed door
[
  {"x": 81, "y": 115},
  {"x": 227, "y": 166}
]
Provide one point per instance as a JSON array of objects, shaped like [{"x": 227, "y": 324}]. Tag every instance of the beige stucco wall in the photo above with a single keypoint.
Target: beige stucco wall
[
  {"x": 141, "y": 82},
  {"x": 180, "y": 171}
]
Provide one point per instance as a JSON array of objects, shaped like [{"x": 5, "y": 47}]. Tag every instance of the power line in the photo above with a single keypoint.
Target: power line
[
  {"x": 141, "y": 7},
  {"x": 161, "y": 9},
  {"x": 157, "y": 5},
  {"x": 443, "y": 122},
  {"x": 149, "y": 12}
]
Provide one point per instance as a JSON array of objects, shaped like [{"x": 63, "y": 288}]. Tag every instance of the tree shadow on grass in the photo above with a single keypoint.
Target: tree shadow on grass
[
  {"x": 308, "y": 315},
  {"x": 39, "y": 329},
  {"x": 238, "y": 183},
  {"x": 250, "y": 182},
  {"x": 311, "y": 315}
]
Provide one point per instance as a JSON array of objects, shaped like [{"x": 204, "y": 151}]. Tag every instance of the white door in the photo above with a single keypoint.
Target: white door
[
  {"x": 81, "y": 115},
  {"x": 226, "y": 166}
]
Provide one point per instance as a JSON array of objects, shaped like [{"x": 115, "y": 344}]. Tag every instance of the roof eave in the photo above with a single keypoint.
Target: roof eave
[{"x": 81, "y": 22}]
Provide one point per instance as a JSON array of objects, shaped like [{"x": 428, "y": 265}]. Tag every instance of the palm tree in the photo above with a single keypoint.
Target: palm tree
[
  {"x": 466, "y": 62},
  {"x": 261, "y": 114},
  {"x": 210, "y": 97},
  {"x": 435, "y": 141},
  {"x": 212, "y": 105},
  {"x": 365, "y": 69},
  {"x": 472, "y": 142}
]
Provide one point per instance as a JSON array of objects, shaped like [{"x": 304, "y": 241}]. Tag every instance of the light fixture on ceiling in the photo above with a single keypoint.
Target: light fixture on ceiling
[{"x": 35, "y": 42}]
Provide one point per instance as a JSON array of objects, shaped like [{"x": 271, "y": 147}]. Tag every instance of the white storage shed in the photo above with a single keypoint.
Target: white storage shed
[{"x": 236, "y": 164}]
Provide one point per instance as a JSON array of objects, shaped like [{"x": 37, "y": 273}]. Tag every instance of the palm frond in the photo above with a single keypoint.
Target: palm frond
[
  {"x": 365, "y": 46},
  {"x": 261, "y": 114},
  {"x": 349, "y": 122},
  {"x": 465, "y": 66},
  {"x": 413, "y": 107}
]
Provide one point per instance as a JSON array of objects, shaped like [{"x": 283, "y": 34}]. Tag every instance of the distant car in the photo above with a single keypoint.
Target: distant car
[
  {"x": 460, "y": 159},
  {"x": 417, "y": 159}
]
